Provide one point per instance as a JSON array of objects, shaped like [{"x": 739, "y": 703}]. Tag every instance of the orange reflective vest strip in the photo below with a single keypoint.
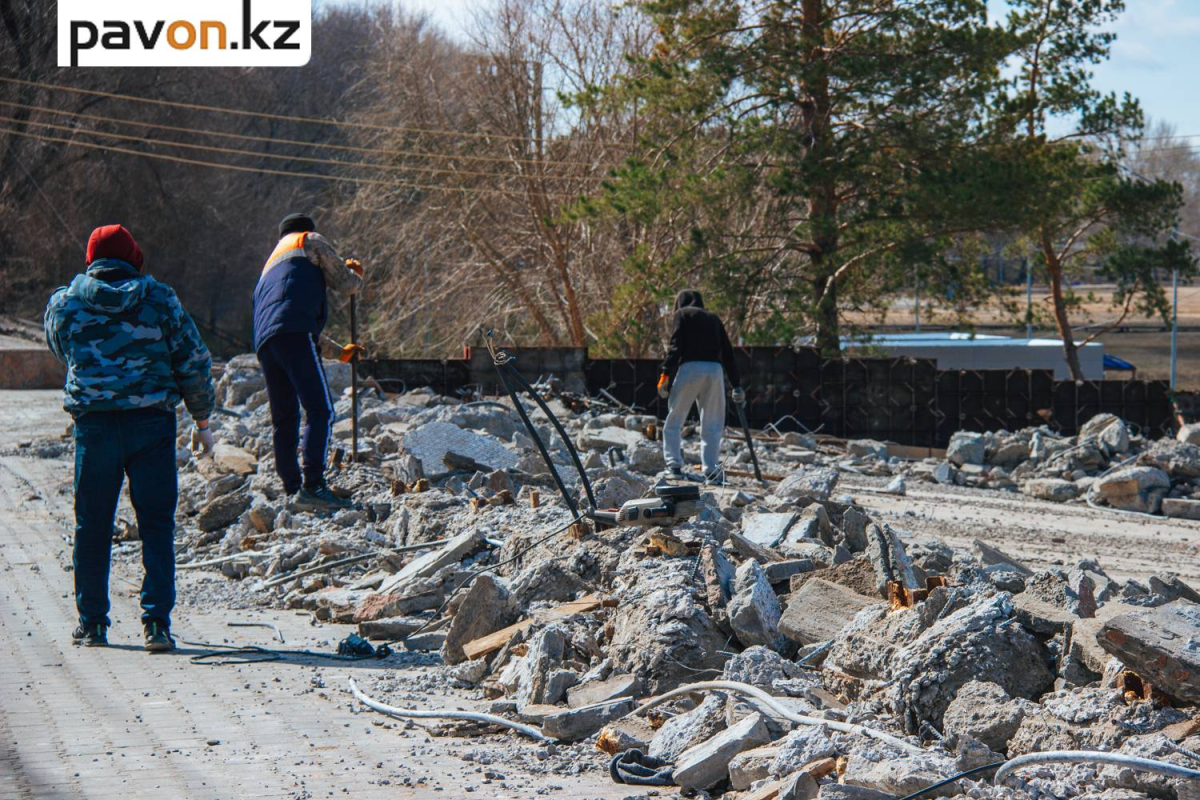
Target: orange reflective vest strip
[{"x": 285, "y": 249}]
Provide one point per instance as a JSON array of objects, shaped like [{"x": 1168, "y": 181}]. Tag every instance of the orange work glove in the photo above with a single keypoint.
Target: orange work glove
[
  {"x": 664, "y": 386},
  {"x": 350, "y": 352},
  {"x": 355, "y": 266}
]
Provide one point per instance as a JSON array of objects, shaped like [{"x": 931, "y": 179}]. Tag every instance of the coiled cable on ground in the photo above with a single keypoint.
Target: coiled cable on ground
[{"x": 408, "y": 713}]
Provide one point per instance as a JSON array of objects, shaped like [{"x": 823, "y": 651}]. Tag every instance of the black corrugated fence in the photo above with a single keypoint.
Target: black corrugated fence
[{"x": 903, "y": 400}]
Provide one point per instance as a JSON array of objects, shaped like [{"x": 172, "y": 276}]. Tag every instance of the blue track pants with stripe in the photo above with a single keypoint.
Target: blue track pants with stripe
[{"x": 295, "y": 377}]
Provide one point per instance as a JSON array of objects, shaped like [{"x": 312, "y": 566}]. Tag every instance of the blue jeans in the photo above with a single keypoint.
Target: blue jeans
[
  {"x": 295, "y": 378},
  {"x": 109, "y": 445}
]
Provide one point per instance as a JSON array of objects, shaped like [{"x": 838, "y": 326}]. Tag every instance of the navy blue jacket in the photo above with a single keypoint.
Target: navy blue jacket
[{"x": 290, "y": 295}]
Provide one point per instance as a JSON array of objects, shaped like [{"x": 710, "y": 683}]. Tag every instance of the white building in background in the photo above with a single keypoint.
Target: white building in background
[{"x": 980, "y": 351}]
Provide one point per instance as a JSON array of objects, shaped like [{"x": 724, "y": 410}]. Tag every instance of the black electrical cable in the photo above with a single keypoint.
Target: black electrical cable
[
  {"x": 253, "y": 654},
  {"x": 959, "y": 776}
]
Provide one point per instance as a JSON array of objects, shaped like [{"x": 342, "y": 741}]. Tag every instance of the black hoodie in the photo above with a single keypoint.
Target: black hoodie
[{"x": 698, "y": 335}]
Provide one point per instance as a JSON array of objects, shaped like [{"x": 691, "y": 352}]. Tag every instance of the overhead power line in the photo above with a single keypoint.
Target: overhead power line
[
  {"x": 262, "y": 170},
  {"x": 299, "y": 142},
  {"x": 265, "y": 115},
  {"x": 254, "y": 153}
]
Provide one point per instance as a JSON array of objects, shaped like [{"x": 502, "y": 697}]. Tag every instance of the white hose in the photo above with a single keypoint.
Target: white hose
[
  {"x": 772, "y": 703},
  {"x": 473, "y": 716},
  {"x": 1092, "y": 756}
]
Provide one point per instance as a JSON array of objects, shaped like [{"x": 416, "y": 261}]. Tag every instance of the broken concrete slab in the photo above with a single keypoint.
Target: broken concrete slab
[
  {"x": 590, "y": 694},
  {"x": 966, "y": 447},
  {"x": 1181, "y": 508},
  {"x": 1161, "y": 644},
  {"x": 990, "y": 556},
  {"x": 985, "y": 712},
  {"x": 815, "y": 483},
  {"x": 231, "y": 459},
  {"x": 580, "y": 723},
  {"x": 431, "y": 442},
  {"x": 535, "y": 680},
  {"x": 389, "y": 628},
  {"x": 798, "y": 786},
  {"x": 719, "y": 573},
  {"x": 820, "y": 610},
  {"x": 1135, "y": 489},
  {"x": 487, "y": 607},
  {"x": 1056, "y": 490},
  {"x": 690, "y": 728},
  {"x": 899, "y": 776},
  {"x": 625, "y": 734},
  {"x": 751, "y": 766},
  {"x": 854, "y": 529},
  {"x": 754, "y": 610},
  {"x": 1170, "y": 587},
  {"x": 223, "y": 511},
  {"x": 805, "y": 745},
  {"x": 426, "y": 641},
  {"x": 430, "y": 563},
  {"x": 707, "y": 763},
  {"x": 767, "y": 529},
  {"x": 889, "y": 558},
  {"x": 612, "y": 436},
  {"x": 780, "y": 571},
  {"x": 494, "y": 641},
  {"x": 749, "y": 549}
]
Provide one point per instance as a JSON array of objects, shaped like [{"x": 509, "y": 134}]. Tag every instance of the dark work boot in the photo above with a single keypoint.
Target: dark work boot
[
  {"x": 158, "y": 637},
  {"x": 319, "y": 498},
  {"x": 94, "y": 635}
]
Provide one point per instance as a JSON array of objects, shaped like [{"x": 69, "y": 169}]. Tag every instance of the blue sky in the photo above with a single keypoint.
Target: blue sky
[{"x": 1156, "y": 56}]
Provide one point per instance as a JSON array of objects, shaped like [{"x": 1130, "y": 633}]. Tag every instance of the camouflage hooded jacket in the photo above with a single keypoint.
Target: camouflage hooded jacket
[{"x": 127, "y": 343}]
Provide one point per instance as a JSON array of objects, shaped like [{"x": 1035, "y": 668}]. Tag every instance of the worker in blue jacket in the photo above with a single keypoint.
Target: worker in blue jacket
[
  {"x": 132, "y": 354},
  {"x": 290, "y": 310}
]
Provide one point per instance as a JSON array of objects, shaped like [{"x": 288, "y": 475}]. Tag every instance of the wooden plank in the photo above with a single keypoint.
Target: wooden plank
[
  {"x": 767, "y": 791},
  {"x": 914, "y": 453},
  {"x": 494, "y": 641}
]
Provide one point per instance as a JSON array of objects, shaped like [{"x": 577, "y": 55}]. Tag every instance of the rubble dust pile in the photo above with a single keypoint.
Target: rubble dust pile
[{"x": 458, "y": 546}]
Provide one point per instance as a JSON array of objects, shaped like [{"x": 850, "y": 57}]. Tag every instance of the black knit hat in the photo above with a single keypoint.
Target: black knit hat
[{"x": 296, "y": 223}]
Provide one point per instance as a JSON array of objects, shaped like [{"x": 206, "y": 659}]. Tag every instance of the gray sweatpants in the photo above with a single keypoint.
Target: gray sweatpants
[{"x": 701, "y": 382}]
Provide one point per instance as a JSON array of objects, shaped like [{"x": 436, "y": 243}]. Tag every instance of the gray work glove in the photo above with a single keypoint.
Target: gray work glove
[
  {"x": 738, "y": 396},
  {"x": 202, "y": 441}
]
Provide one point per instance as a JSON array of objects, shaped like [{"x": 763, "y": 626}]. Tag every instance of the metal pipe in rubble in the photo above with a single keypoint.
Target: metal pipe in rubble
[
  {"x": 473, "y": 716},
  {"x": 541, "y": 446},
  {"x": 354, "y": 378},
  {"x": 771, "y": 703},
  {"x": 587, "y": 484},
  {"x": 1096, "y": 757}
]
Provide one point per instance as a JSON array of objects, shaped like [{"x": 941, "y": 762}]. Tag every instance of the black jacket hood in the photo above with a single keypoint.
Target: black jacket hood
[{"x": 688, "y": 298}]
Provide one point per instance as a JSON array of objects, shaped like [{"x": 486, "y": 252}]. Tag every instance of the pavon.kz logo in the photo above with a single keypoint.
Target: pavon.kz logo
[{"x": 212, "y": 33}]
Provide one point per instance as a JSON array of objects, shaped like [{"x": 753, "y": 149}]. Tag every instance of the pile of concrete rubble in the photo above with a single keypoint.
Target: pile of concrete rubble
[
  {"x": 459, "y": 543},
  {"x": 1104, "y": 465}
]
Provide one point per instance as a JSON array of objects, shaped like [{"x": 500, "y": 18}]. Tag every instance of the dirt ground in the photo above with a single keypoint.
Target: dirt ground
[{"x": 120, "y": 723}]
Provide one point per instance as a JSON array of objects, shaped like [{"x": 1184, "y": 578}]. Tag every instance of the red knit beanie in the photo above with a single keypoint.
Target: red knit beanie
[{"x": 113, "y": 241}]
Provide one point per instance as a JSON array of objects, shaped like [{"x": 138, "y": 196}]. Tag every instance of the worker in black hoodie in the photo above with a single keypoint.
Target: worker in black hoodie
[{"x": 699, "y": 359}]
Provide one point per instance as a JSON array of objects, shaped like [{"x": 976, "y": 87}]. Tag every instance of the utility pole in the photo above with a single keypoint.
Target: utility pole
[
  {"x": 1028, "y": 298},
  {"x": 1174, "y": 311},
  {"x": 917, "y": 303}
]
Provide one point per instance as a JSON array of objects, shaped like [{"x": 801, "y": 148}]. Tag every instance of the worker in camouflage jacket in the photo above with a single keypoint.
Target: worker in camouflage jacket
[{"x": 132, "y": 353}]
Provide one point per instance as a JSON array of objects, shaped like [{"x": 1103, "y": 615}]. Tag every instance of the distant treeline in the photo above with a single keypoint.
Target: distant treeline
[{"x": 560, "y": 171}]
